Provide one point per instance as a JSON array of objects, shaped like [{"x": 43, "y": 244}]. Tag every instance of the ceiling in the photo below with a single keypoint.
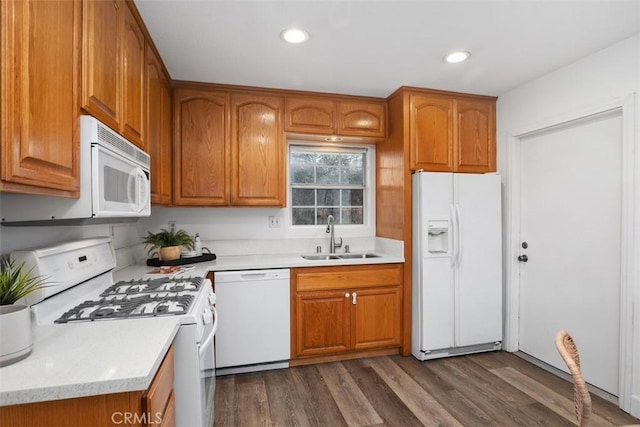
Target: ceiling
[{"x": 371, "y": 47}]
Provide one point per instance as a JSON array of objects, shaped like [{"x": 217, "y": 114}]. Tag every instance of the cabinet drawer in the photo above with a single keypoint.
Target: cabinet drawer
[
  {"x": 347, "y": 277},
  {"x": 159, "y": 393}
]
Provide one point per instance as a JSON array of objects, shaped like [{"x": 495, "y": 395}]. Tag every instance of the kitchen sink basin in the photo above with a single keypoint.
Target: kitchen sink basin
[
  {"x": 325, "y": 257},
  {"x": 319, "y": 257},
  {"x": 356, "y": 256}
]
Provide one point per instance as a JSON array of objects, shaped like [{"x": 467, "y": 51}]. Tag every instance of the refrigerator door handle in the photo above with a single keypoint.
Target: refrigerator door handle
[
  {"x": 454, "y": 237},
  {"x": 458, "y": 235}
]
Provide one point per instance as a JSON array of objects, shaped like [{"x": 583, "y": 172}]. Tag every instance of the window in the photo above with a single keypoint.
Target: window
[{"x": 327, "y": 181}]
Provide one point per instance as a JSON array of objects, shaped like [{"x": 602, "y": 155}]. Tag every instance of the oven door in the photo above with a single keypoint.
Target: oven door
[
  {"x": 207, "y": 365},
  {"x": 120, "y": 187}
]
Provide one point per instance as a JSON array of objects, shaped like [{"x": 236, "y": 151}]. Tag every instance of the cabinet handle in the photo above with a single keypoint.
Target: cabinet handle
[
  {"x": 347, "y": 295},
  {"x": 354, "y": 298}
]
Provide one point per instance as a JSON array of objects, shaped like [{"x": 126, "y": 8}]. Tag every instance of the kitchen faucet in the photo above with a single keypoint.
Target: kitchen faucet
[{"x": 332, "y": 239}]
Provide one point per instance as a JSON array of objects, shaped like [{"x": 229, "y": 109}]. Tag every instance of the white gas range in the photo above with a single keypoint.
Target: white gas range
[{"x": 83, "y": 290}]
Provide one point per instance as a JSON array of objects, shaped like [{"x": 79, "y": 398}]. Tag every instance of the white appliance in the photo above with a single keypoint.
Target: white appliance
[
  {"x": 457, "y": 264},
  {"x": 114, "y": 183},
  {"x": 256, "y": 332},
  {"x": 85, "y": 291}
]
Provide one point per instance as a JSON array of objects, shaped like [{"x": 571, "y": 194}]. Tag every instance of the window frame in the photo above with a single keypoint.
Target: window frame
[{"x": 367, "y": 228}]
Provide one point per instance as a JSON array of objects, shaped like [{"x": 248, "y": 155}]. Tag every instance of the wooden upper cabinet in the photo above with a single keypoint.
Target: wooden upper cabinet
[
  {"x": 309, "y": 115},
  {"x": 158, "y": 128},
  {"x": 258, "y": 157},
  {"x": 133, "y": 69},
  {"x": 475, "y": 150},
  {"x": 333, "y": 116},
  {"x": 113, "y": 67},
  {"x": 361, "y": 119},
  {"x": 452, "y": 133},
  {"x": 431, "y": 133},
  {"x": 102, "y": 23},
  {"x": 39, "y": 135},
  {"x": 201, "y": 152}
]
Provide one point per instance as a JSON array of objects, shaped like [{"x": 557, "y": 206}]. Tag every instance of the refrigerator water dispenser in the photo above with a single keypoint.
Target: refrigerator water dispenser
[{"x": 438, "y": 236}]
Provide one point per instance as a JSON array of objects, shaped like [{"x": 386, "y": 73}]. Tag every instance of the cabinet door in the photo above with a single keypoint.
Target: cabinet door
[
  {"x": 377, "y": 317},
  {"x": 309, "y": 115},
  {"x": 475, "y": 149},
  {"x": 257, "y": 151},
  {"x": 133, "y": 69},
  {"x": 431, "y": 133},
  {"x": 200, "y": 155},
  {"x": 101, "y": 60},
  {"x": 361, "y": 119},
  {"x": 158, "y": 129},
  {"x": 39, "y": 135},
  {"x": 323, "y": 324}
]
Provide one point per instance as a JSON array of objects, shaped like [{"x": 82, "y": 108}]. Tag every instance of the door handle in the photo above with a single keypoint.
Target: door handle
[{"x": 523, "y": 258}]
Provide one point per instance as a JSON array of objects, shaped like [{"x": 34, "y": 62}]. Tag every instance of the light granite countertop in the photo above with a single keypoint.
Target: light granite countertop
[{"x": 88, "y": 358}]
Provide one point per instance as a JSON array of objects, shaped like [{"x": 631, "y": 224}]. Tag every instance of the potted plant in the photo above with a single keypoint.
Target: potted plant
[
  {"x": 15, "y": 319},
  {"x": 168, "y": 243}
]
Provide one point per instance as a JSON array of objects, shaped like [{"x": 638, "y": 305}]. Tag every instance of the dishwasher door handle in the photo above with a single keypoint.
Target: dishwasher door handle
[{"x": 251, "y": 276}]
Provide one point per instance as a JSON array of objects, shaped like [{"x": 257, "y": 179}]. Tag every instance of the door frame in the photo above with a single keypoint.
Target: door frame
[{"x": 629, "y": 360}]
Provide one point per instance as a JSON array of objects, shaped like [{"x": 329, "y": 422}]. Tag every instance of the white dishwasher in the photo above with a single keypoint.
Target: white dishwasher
[{"x": 254, "y": 328}]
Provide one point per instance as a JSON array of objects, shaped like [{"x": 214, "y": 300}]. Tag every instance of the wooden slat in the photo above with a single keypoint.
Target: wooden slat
[
  {"x": 254, "y": 396},
  {"x": 354, "y": 406},
  {"x": 421, "y": 403},
  {"x": 556, "y": 402}
]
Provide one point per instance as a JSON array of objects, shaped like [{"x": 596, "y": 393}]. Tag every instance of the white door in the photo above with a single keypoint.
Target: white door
[{"x": 571, "y": 223}]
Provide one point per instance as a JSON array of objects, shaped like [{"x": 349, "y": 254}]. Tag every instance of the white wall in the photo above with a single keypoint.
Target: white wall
[{"x": 603, "y": 78}]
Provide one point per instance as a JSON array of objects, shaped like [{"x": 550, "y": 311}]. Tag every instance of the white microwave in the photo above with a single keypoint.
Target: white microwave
[
  {"x": 114, "y": 185},
  {"x": 120, "y": 178}
]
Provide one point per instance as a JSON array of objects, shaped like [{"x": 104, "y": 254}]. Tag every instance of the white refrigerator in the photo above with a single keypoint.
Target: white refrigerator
[{"x": 457, "y": 264}]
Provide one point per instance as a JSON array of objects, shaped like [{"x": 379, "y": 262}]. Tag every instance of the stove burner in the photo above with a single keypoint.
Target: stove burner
[
  {"x": 137, "y": 287},
  {"x": 144, "y": 305}
]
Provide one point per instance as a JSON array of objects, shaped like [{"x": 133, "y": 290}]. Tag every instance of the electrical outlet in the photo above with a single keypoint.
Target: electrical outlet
[
  {"x": 172, "y": 225},
  {"x": 274, "y": 222}
]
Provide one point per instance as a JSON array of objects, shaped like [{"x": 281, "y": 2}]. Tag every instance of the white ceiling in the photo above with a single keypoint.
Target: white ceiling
[{"x": 371, "y": 47}]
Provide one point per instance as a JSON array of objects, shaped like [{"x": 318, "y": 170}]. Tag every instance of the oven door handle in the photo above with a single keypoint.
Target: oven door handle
[{"x": 205, "y": 343}]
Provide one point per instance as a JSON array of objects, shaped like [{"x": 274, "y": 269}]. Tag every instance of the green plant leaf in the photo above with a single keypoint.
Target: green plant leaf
[{"x": 15, "y": 283}]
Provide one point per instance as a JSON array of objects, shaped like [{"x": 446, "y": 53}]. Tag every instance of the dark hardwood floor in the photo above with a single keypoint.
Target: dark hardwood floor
[{"x": 497, "y": 388}]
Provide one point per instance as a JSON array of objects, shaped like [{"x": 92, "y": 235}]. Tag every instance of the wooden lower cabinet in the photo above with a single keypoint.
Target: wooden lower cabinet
[
  {"x": 154, "y": 407},
  {"x": 346, "y": 309}
]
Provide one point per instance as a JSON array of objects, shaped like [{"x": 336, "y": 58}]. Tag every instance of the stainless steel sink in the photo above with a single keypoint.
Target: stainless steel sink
[
  {"x": 319, "y": 257},
  {"x": 356, "y": 256},
  {"x": 325, "y": 257}
]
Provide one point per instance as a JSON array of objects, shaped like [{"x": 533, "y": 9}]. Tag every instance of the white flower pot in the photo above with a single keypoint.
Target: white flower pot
[{"x": 15, "y": 333}]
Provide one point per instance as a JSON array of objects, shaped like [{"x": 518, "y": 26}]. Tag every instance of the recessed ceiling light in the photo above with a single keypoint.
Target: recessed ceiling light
[
  {"x": 455, "y": 57},
  {"x": 294, "y": 35}
]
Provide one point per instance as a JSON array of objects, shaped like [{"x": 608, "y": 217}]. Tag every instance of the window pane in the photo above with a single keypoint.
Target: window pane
[
  {"x": 303, "y": 216},
  {"x": 352, "y": 176},
  {"x": 302, "y": 174},
  {"x": 352, "y": 197},
  {"x": 352, "y": 160},
  {"x": 328, "y": 197},
  {"x": 351, "y": 216},
  {"x": 298, "y": 158},
  {"x": 328, "y": 175},
  {"x": 303, "y": 197},
  {"x": 329, "y": 159},
  {"x": 323, "y": 214}
]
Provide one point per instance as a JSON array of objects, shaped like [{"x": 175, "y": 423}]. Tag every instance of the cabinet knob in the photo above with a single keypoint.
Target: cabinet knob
[{"x": 347, "y": 295}]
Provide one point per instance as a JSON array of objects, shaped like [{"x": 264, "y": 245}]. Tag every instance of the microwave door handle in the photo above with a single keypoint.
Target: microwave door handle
[
  {"x": 130, "y": 197},
  {"x": 143, "y": 189}
]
